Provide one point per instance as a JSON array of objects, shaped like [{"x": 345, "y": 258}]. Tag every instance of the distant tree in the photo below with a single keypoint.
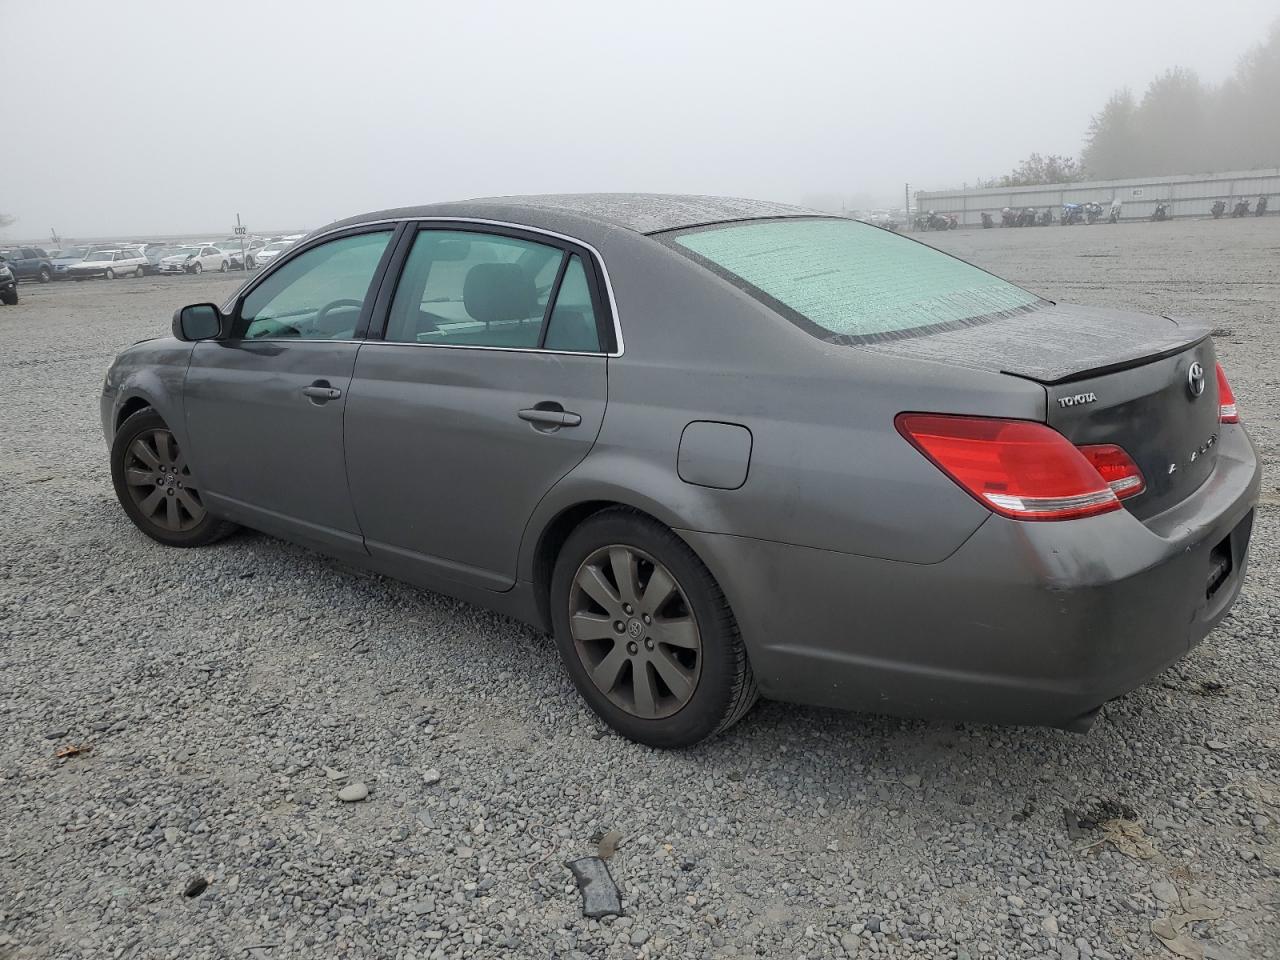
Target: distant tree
[
  {"x": 6, "y": 220},
  {"x": 1171, "y": 122},
  {"x": 1109, "y": 145},
  {"x": 1037, "y": 170},
  {"x": 1184, "y": 126},
  {"x": 1255, "y": 136}
]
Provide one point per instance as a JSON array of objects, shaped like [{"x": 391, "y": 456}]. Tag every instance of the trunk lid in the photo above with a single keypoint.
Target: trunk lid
[
  {"x": 1153, "y": 413},
  {"x": 1110, "y": 376}
]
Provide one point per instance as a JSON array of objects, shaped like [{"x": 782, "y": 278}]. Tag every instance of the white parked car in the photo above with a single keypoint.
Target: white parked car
[
  {"x": 231, "y": 248},
  {"x": 109, "y": 264},
  {"x": 194, "y": 259},
  {"x": 271, "y": 251}
]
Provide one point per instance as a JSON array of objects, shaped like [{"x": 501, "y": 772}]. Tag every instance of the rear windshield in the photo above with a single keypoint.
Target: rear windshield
[{"x": 850, "y": 282}]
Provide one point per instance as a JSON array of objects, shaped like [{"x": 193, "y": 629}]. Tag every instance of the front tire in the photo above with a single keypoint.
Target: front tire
[
  {"x": 138, "y": 272},
  {"x": 156, "y": 487},
  {"x": 646, "y": 633},
  {"x": 10, "y": 297},
  {"x": 196, "y": 269},
  {"x": 45, "y": 275},
  {"x": 110, "y": 274}
]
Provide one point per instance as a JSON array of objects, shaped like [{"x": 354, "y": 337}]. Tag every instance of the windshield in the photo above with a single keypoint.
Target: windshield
[
  {"x": 73, "y": 253},
  {"x": 850, "y": 282},
  {"x": 274, "y": 247},
  {"x": 184, "y": 251}
]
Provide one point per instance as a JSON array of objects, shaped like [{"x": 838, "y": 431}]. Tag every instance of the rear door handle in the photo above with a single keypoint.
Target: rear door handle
[
  {"x": 320, "y": 391},
  {"x": 550, "y": 416}
]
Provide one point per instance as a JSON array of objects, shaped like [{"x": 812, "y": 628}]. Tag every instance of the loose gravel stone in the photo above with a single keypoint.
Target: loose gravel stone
[
  {"x": 353, "y": 793},
  {"x": 799, "y": 833}
]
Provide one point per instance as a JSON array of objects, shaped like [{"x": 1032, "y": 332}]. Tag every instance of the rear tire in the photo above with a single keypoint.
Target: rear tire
[
  {"x": 225, "y": 267},
  {"x": 156, "y": 487},
  {"x": 685, "y": 651},
  {"x": 10, "y": 297}
]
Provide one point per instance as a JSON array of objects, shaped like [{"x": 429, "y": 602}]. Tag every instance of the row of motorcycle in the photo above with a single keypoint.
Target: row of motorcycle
[
  {"x": 1090, "y": 212},
  {"x": 1241, "y": 208}
]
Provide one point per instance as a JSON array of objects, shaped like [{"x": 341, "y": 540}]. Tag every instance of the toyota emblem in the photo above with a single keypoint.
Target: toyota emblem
[{"x": 1195, "y": 379}]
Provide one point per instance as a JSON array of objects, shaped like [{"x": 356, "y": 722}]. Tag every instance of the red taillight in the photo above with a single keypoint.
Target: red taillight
[
  {"x": 1227, "y": 412},
  {"x": 1116, "y": 467},
  {"x": 1017, "y": 468}
]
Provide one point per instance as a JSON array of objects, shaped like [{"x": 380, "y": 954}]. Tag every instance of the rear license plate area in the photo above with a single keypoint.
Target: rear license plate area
[{"x": 1220, "y": 567}]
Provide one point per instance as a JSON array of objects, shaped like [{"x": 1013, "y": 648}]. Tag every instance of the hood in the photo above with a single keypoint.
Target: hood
[
  {"x": 177, "y": 258},
  {"x": 1054, "y": 342}
]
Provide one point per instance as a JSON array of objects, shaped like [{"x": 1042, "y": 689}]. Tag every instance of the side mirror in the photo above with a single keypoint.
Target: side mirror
[{"x": 199, "y": 321}]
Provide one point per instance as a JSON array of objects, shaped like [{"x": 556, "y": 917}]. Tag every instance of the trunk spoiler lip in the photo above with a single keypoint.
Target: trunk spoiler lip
[
  {"x": 1107, "y": 368},
  {"x": 1120, "y": 365}
]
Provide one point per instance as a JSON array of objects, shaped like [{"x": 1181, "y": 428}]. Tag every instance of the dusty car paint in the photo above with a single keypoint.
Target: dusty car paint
[{"x": 861, "y": 576}]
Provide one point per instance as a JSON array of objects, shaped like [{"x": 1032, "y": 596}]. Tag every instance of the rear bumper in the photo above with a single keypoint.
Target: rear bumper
[{"x": 1035, "y": 623}]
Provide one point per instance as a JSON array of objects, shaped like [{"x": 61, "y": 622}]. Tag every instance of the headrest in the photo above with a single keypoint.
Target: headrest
[{"x": 499, "y": 291}]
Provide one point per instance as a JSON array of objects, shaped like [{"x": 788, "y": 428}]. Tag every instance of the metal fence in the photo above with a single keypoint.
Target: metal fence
[{"x": 1188, "y": 196}]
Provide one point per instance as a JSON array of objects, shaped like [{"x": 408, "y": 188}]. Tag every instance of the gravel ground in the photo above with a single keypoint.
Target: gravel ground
[{"x": 215, "y": 686}]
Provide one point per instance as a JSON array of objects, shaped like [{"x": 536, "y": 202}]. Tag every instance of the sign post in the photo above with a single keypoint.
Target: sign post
[{"x": 240, "y": 232}]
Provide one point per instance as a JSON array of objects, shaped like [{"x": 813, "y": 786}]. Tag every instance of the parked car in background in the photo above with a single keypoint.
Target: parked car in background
[
  {"x": 195, "y": 259},
  {"x": 272, "y": 250},
  {"x": 63, "y": 259},
  {"x": 232, "y": 249},
  {"x": 155, "y": 252},
  {"x": 8, "y": 284},
  {"x": 29, "y": 263},
  {"x": 109, "y": 264}
]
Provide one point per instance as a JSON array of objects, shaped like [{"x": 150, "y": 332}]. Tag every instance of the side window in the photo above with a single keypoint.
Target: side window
[
  {"x": 208, "y": 252},
  {"x": 573, "y": 320},
  {"x": 473, "y": 289},
  {"x": 28, "y": 254},
  {"x": 316, "y": 296}
]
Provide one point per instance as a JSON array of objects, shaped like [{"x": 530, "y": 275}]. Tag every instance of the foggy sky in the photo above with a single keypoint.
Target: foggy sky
[{"x": 152, "y": 118}]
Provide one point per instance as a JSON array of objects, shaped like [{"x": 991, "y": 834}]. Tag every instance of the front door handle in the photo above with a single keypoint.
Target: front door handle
[
  {"x": 550, "y": 416},
  {"x": 321, "y": 392}
]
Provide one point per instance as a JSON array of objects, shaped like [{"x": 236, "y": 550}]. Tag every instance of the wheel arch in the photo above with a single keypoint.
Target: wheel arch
[
  {"x": 572, "y": 502},
  {"x": 127, "y": 408}
]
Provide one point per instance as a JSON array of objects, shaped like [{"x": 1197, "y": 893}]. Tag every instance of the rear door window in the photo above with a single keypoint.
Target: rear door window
[
  {"x": 460, "y": 288},
  {"x": 850, "y": 282},
  {"x": 572, "y": 325}
]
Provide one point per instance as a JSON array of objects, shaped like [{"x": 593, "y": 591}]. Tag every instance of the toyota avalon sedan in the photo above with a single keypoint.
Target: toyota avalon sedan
[{"x": 720, "y": 449}]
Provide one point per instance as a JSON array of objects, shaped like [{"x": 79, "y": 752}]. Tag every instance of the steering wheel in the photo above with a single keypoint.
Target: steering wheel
[{"x": 323, "y": 313}]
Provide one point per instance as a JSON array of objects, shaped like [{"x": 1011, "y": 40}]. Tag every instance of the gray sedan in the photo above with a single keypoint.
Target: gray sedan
[{"x": 720, "y": 449}]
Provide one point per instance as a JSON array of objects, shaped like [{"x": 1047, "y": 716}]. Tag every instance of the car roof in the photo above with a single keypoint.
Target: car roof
[{"x": 639, "y": 212}]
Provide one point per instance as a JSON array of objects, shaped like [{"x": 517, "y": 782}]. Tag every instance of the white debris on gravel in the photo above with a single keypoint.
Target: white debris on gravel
[{"x": 221, "y": 690}]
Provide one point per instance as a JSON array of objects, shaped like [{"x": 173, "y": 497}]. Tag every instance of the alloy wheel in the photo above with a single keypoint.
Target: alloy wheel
[
  {"x": 634, "y": 630},
  {"x": 160, "y": 482}
]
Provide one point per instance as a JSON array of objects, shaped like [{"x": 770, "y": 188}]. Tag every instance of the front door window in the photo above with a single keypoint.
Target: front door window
[{"x": 318, "y": 295}]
